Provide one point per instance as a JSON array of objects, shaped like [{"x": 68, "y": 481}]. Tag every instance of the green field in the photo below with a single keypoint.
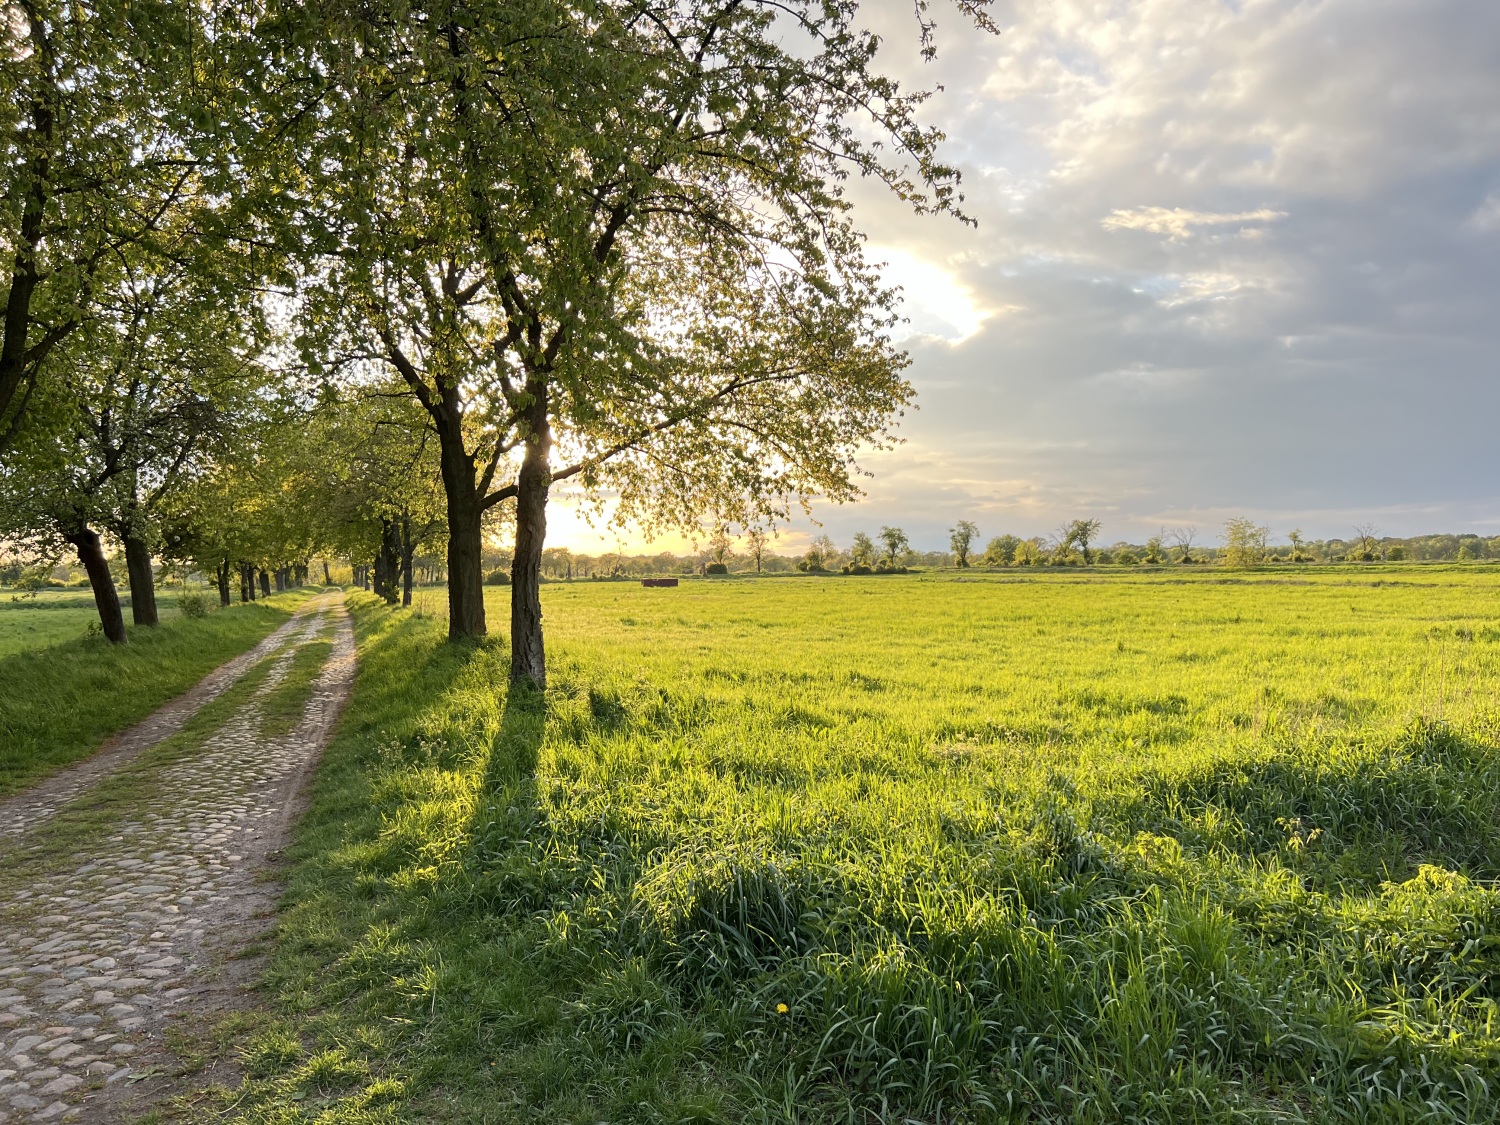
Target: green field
[
  {"x": 47, "y": 618},
  {"x": 1061, "y": 847}
]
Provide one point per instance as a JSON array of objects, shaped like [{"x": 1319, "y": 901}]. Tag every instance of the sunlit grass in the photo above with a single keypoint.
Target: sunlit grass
[{"x": 931, "y": 849}]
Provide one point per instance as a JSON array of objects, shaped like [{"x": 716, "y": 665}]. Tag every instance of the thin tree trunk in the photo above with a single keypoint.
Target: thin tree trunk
[
  {"x": 465, "y": 541},
  {"x": 327, "y": 577},
  {"x": 221, "y": 572},
  {"x": 265, "y": 584},
  {"x": 142, "y": 581},
  {"x": 408, "y": 549},
  {"x": 91, "y": 554},
  {"x": 528, "y": 658}
]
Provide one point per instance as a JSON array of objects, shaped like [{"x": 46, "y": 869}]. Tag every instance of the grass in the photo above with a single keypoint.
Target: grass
[
  {"x": 47, "y": 618},
  {"x": 60, "y": 702},
  {"x": 1050, "y": 848}
]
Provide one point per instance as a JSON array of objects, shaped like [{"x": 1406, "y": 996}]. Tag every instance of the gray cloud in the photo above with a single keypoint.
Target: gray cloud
[{"x": 1231, "y": 257}]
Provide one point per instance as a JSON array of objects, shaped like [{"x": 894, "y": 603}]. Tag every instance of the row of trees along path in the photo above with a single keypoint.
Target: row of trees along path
[{"x": 292, "y": 278}]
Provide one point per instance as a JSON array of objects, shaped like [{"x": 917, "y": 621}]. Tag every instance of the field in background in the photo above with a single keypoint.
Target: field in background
[
  {"x": 48, "y": 618},
  {"x": 1145, "y": 847}
]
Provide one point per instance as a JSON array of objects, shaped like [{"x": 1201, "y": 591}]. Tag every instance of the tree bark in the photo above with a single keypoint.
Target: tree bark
[
  {"x": 408, "y": 549},
  {"x": 388, "y": 562},
  {"x": 327, "y": 577},
  {"x": 247, "y": 582},
  {"x": 265, "y": 584},
  {"x": 221, "y": 572},
  {"x": 528, "y": 658},
  {"x": 91, "y": 554},
  {"x": 142, "y": 582},
  {"x": 465, "y": 540}
]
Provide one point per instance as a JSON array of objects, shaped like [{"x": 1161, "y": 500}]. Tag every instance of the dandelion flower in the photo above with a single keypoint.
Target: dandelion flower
[{"x": 782, "y": 1009}]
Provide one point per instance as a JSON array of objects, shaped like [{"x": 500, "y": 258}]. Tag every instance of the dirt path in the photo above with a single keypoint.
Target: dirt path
[{"x": 106, "y": 934}]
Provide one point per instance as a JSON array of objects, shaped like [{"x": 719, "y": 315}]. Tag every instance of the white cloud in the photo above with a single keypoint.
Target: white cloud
[{"x": 1179, "y": 222}]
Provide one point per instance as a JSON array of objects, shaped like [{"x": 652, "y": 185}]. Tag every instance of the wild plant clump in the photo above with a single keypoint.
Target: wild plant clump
[{"x": 193, "y": 603}]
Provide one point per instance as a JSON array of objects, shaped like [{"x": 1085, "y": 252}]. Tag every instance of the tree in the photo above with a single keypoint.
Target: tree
[
  {"x": 756, "y": 538},
  {"x": 1295, "y": 538},
  {"x": 1367, "y": 542},
  {"x": 96, "y": 105},
  {"x": 896, "y": 544},
  {"x": 1081, "y": 532},
  {"x": 1182, "y": 538},
  {"x": 820, "y": 554},
  {"x": 862, "y": 551},
  {"x": 1001, "y": 550},
  {"x": 1154, "y": 553},
  {"x": 1244, "y": 542},
  {"x": 720, "y": 546},
  {"x": 960, "y": 539},
  {"x": 619, "y": 231}
]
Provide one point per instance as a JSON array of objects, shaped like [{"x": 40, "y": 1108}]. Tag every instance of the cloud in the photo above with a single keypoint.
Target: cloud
[
  {"x": 1231, "y": 255},
  {"x": 1179, "y": 222}
]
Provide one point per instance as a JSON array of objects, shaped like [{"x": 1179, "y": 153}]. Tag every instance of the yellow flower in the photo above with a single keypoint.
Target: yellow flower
[{"x": 782, "y": 1009}]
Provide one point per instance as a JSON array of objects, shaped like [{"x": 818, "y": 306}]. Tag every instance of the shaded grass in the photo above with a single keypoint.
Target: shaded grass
[
  {"x": 908, "y": 850},
  {"x": 59, "y": 703}
]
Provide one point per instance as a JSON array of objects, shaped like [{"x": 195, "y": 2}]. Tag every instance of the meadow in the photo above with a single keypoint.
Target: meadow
[
  {"x": 45, "y": 618},
  {"x": 1057, "y": 847},
  {"x": 64, "y": 690}
]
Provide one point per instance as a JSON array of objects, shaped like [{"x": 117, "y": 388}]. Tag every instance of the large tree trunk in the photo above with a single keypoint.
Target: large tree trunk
[
  {"x": 106, "y": 597},
  {"x": 247, "y": 582},
  {"x": 265, "y": 584},
  {"x": 221, "y": 572},
  {"x": 142, "y": 581},
  {"x": 388, "y": 562},
  {"x": 528, "y": 659}
]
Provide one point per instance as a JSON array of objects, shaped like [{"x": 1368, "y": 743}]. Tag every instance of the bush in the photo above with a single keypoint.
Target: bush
[
  {"x": 858, "y": 568},
  {"x": 193, "y": 603},
  {"x": 497, "y": 577},
  {"x": 1127, "y": 557},
  {"x": 716, "y": 568}
]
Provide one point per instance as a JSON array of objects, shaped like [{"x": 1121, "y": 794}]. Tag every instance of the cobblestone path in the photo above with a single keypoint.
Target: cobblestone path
[
  {"x": 25, "y": 810},
  {"x": 99, "y": 945}
]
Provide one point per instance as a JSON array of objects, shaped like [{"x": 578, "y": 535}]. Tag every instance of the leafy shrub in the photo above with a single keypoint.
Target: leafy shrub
[
  {"x": 193, "y": 603},
  {"x": 497, "y": 577},
  {"x": 858, "y": 568},
  {"x": 716, "y": 568}
]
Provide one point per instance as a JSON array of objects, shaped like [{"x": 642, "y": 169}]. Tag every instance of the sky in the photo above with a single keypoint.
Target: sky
[{"x": 1232, "y": 257}]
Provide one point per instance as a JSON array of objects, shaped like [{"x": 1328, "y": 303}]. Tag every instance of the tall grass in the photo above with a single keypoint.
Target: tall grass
[{"x": 910, "y": 850}]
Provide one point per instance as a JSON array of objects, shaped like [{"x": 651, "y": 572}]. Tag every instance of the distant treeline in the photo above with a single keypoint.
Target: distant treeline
[{"x": 1241, "y": 543}]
